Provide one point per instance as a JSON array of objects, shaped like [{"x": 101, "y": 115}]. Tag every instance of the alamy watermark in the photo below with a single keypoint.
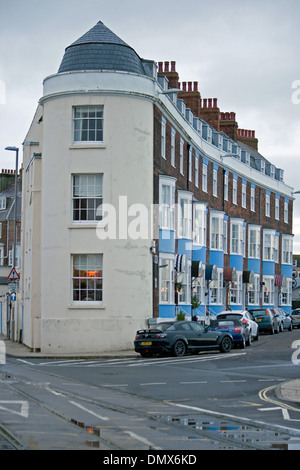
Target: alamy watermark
[
  {"x": 296, "y": 354},
  {"x": 296, "y": 93}
]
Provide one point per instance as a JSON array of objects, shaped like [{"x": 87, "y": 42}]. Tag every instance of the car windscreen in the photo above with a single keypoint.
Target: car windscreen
[
  {"x": 230, "y": 316},
  {"x": 223, "y": 323},
  {"x": 259, "y": 313}
]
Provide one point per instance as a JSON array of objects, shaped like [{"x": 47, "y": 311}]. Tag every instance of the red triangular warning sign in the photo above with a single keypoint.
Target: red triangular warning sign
[{"x": 13, "y": 275}]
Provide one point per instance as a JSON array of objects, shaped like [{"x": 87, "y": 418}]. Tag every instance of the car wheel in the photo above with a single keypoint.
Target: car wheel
[
  {"x": 226, "y": 344},
  {"x": 179, "y": 348}
]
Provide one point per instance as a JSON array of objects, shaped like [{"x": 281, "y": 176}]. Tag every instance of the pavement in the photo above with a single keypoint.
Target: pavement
[{"x": 288, "y": 391}]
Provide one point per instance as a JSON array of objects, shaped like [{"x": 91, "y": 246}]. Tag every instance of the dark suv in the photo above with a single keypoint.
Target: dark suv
[{"x": 266, "y": 320}]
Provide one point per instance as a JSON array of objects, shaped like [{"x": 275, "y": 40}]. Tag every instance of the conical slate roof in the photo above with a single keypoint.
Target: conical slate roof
[{"x": 100, "y": 49}]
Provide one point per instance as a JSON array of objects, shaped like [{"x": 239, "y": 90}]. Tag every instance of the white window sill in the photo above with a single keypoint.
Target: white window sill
[{"x": 87, "y": 145}]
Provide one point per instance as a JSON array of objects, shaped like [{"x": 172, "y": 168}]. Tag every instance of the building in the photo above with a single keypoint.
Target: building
[
  {"x": 8, "y": 314},
  {"x": 140, "y": 197}
]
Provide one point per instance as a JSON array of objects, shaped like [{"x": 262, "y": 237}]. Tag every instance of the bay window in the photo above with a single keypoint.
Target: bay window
[
  {"x": 287, "y": 249},
  {"x": 216, "y": 230},
  {"x": 184, "y": 214},
  {"x": 167, "y": 203},
  {"x": 199, "y": 224}
]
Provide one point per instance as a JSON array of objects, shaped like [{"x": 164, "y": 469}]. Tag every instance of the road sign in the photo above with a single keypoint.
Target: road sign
[
  {"x": 13, "y": 297},
  {"x": 13, "y": 275}
]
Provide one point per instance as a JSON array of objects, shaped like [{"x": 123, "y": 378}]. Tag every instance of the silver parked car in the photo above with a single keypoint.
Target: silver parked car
[
  {"x": 285, "y": 319},
  {"x": 296, "y": 317}
]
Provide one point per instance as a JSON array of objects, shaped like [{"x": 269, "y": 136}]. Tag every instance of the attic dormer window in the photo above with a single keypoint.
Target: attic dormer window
[{"x": 2, "y": 203}]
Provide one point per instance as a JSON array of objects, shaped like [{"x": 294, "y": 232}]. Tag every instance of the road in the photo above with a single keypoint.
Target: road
[{"x": 207, "y": 401}]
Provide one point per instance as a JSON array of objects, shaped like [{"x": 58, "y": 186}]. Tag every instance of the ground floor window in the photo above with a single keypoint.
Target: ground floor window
[
  {"x": 236, "y": 290},
  {"x": 87, "y": 278},
  {"x": 216, "y": 289},
  {"x": 254, "y": 290},
  {"x": 166, "y": 276},
  {"x": 268, "y": 290},
  {"x": 286, "y": 293}
]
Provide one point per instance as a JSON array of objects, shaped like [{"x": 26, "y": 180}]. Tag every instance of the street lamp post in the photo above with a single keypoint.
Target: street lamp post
[{"x": 16, "y": 150}]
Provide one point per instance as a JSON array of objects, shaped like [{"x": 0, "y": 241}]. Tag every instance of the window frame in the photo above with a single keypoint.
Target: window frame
[
  {"x": 93, "y": 207},
  {"x": 87, "y": 284},
  {"x": 85, "y": 121}
]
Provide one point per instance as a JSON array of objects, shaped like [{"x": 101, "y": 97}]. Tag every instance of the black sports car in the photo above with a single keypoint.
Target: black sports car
[{"x": 180, "y": 337}]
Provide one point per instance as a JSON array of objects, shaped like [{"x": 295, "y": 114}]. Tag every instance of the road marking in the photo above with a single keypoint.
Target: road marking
[
  {"x": 24, "y": 412},
  {"x": 89, "y": 411},
  {"x": 187, "y": 383},
  {"x": 142, "y": 439},
  {"x": 231, "y": 381},
  {"x": 155, "y": 383},
  {"x": 263, "y": 396}
]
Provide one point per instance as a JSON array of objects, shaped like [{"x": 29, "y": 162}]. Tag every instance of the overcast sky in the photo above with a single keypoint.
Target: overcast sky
[{"x": 246, "y": 53}]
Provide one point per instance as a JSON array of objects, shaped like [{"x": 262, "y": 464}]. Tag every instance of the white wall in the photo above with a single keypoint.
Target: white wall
[{"x": 126, "y": 161}]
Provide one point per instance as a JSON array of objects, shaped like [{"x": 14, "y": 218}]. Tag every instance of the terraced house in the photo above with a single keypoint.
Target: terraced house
[{"x": 140, "y": 197}]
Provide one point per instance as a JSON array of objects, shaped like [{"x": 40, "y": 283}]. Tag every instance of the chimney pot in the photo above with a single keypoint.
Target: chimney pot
[{"x": 166, "y": 66}]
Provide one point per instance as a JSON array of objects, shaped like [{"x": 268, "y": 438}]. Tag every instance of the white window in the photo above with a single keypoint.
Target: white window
[
  {"x": 286, "y": 212},
  {"x": 87, "y": 197},
  {"x": 215, "y": 182},
  {"x": 268, "y": 290},
  {"x": 88, "y": 124},
  {"x": 254, "y": 291},
  {"x": 269, "y": 247},
  {"x": 287, "y": 249},
  {"x": 2, "y": 203},
  {"x": 236, "y": 290},
  {"x": 181, "y": 156},
  {"x": 163, "y": 137},
  {"x": 1, "y": 254},
  {"x": 204, "y": 177},
  {"x": 173, "y": 134},
  {"x": 254, "y": 241},
  {"x": 267, "y": 205},
  {"x": 190, "y": 164},
  {"x": 276, "y": 249},
  {"x": 184, "y": 293},
  {"x": 87, "y": 278},
  {"x": 216, "y": 289},
  {"x": 277, "y": 216},
  {"x": 167, "y": 203},
  {"x": 225, "y": 236},
  {"x": 199, "y": 287},
  {"x": 226, "y": 186},
  {"x": 199, "y": 224},
  {"x": 234, "y": 191},
  {"x": 286, "y": 293},
  {"x": 184, "y": 214},
  {"x": 166, "y": 279},
  {"x": 244, "y": 195},
  {"x": 252, "y": 199},
  {"x": 196, "y": 171},
  {"x": 216, "y": 230},
  {"x": 237, "y": 237}
]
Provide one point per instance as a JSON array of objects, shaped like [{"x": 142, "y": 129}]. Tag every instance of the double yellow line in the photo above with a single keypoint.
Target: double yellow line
[{"x": 263, "y": 396}]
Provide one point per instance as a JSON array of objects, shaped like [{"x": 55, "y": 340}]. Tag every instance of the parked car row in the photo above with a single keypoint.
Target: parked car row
[{"x": 229, "y": 328}]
